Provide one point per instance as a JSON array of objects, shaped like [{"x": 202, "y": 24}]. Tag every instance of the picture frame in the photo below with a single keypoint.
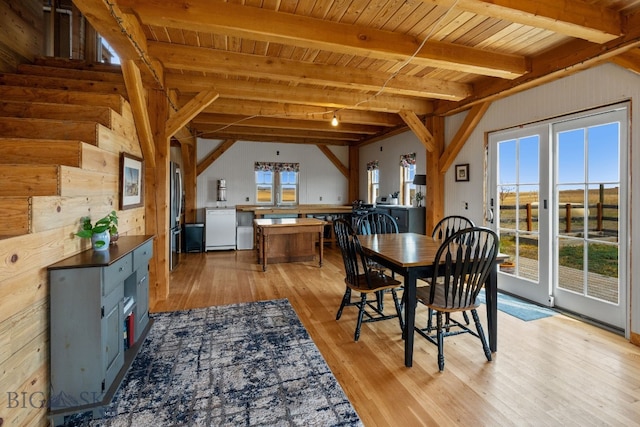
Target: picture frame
[
  {"x": 462, "y": 172},
  {"x": 131, "y": 181}
]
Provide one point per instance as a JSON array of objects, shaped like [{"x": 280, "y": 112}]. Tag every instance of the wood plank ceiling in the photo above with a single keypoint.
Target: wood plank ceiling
[{"x": 284, "y": 68}]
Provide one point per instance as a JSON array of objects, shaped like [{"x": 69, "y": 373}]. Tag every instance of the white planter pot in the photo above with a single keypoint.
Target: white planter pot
[{"x": 100, "y": 241}]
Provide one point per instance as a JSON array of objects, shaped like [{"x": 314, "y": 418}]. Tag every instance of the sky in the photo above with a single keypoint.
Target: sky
[{"x": 598, "y": 144}]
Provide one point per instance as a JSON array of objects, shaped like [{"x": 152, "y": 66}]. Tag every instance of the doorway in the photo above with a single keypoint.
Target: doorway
[{"x": 558, "y": 200}]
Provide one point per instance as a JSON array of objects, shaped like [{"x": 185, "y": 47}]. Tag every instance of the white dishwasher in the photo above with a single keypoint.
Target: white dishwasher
[{"x": 220, "y": 229}]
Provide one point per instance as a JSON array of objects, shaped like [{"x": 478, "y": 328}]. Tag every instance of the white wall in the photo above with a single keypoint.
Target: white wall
[
  {"x": 388, "y": 154},
  {"x": 318, "y": 176},
  {"x": 599, "y": 86}
]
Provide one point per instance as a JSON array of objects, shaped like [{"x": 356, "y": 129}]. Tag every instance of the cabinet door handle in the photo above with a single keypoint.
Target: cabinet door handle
[{"x": 142, "y": 280}]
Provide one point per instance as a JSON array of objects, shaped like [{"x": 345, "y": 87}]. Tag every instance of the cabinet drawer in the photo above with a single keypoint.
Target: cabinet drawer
[
  {"x": 142, "y": 255},
  {"x": 114, "y": 275}
]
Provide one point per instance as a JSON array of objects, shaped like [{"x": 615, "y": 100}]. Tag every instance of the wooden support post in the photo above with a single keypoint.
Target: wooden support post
[
  {"x": 434, "y": 199},
  {"x": 157, "y": 198},
  {"x": 354, "y": 180}
]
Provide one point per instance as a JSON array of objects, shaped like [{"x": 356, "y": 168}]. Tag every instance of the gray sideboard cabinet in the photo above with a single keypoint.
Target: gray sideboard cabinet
[
  {"x": 409, "y": 219},
  {"x": 91, "y": 296}
]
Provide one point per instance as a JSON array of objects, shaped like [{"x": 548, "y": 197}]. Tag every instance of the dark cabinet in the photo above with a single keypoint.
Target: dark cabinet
[{"x": 409, "y": 219}]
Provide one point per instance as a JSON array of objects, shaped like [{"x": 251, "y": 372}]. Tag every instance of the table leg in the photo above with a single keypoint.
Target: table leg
[
  {"x": 321, "y": 244},
  {"x": 491, "y": 292},
  {"x": 265, "y": 244},
  {"x": 409, "y": 315}
]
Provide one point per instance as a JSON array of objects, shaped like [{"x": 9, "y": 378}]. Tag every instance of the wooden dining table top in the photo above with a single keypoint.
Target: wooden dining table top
[
  {"x": 403, "y": 249},
  {"x": 406, "y": 249}
]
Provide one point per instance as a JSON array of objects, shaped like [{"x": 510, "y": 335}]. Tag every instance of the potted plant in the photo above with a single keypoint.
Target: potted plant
[
  {"x": 394, "y": 197},
  {"x": 100, "y": 233},
  {"x": 419, "y": 199}
]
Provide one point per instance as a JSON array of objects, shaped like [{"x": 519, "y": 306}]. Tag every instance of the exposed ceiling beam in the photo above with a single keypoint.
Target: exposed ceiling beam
[
  {"x": 629, "y": 60},
  {"x": 214, "y": 155},
  {"x": 136, "y": 93},
  {"x": 124, "y": 34},
  {"x": 335, "y": 160},
  {"x": 573, "y": 18},
  {"x": 279, "y": 139},
  {"x": 468, "y": 126},
  {"x": 565, "y": 60},
  {"x": 212, "y": 131},
  {"x": 193, "y": 58},
  {"x": 182, "y": 117},
  {"x": 259, "y": 91},
  {"x": 415, "y": 124},
  {"x": 295, "y": 111},
  {"x": 269, "y": 122},
  {"x": 271, "y": 26}
]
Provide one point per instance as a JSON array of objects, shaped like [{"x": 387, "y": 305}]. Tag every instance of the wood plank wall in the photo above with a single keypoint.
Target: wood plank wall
[
  {"x": 24, "y": 289},
  {"x": 21, "y": 34}
]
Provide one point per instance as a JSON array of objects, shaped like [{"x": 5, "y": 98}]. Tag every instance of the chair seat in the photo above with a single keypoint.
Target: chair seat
[
  {"x": 377, "y": 282},
  {"x": 441, "y": 303}
]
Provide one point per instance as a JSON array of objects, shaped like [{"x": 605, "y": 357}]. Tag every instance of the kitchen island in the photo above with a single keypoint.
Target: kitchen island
[{"x": 288, "y": 239}]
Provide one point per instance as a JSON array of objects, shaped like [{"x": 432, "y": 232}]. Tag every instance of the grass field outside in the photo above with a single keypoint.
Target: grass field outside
[{"x": 601, "y": 242}]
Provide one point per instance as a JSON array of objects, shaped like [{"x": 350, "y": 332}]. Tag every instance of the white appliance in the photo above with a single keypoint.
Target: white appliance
[
  {"x": 220, "y": 229},
  {"x": 386, "y": 200},
  {"x": 222, "y": 190},
  {"x": 245, "y": 237}
]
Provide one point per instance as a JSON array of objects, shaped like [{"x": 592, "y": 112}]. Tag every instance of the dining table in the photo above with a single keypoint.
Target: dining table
[{"x": 412, "y": 255}]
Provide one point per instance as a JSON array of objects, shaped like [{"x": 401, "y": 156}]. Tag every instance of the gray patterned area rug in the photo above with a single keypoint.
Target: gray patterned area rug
[{"x": 250, "y": 364}]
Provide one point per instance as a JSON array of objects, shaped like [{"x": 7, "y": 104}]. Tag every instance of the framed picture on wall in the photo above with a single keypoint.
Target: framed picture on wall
[
  {"x": 131, "y": 181},
  {"x": 462, "y": 172}
]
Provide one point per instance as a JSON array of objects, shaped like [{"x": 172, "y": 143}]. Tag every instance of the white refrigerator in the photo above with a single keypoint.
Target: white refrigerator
[{"x": 220, "y": 229}]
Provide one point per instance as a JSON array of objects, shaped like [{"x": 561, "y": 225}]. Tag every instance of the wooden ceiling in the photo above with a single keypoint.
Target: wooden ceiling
[{"x": 279, "y": 70}]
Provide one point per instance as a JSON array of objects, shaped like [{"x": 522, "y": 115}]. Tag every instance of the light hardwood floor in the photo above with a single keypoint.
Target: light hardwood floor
[{"x": 555, "y": 371}]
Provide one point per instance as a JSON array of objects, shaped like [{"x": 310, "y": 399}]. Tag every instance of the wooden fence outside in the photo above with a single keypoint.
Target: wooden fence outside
[{"x": 569, "y": 218}]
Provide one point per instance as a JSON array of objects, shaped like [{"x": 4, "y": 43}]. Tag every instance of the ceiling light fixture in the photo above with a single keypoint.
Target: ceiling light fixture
[{"x": 334, "y": 121}]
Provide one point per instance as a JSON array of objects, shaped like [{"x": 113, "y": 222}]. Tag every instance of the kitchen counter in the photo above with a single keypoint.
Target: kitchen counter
[{"x": 300, "y": 210}]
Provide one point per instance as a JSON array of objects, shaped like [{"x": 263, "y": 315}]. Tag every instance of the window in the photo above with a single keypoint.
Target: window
[
  {"x": 276, "y": 183},
  {"x": 373, "y": 181},
  {"x": 288, "y": 187},
  {"x": 408, "y": 192},
  {"x": 407, "y": 172},
  {"x": 264, "y": 187}
]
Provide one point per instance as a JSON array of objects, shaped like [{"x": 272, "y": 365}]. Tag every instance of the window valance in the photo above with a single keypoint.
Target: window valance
[
  {"x": 373, "y": 165},
  {"x": 276, "y": 167},
  {"x": 407, "y": 160}
]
